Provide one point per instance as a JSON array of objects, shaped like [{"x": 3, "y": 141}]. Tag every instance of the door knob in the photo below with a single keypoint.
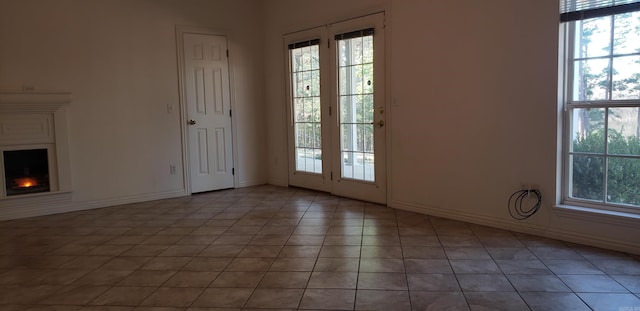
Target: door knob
[
  {"x": 379, "y": 123},
  {"x": 192, "y": 122}
]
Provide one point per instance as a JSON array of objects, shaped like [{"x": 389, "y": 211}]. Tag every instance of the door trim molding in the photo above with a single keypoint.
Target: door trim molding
[{"x": 180, "y": 31}]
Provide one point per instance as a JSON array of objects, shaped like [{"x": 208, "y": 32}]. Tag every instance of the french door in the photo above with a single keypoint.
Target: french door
[{"x": 337, "y": 108}]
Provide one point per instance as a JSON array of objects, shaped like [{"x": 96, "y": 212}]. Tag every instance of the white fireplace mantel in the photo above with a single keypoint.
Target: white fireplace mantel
[
  {"x": 32, "y": 119},
  {"x": 33, "y": 102}
]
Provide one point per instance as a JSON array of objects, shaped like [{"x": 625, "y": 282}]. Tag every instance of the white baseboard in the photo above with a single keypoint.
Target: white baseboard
[
  {"x": 132, "y": 199},
  {"x": 250, "y": 183},
  {"x": 62, "y": 202},
  {"x": 553, "y": 233}
]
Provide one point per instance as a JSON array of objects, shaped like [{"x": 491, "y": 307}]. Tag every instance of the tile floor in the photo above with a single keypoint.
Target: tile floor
[{"x": 284, "y": 248}]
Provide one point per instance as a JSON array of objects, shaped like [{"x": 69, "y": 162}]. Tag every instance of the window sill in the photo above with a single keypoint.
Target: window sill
[{"x": 597, "y": 215}]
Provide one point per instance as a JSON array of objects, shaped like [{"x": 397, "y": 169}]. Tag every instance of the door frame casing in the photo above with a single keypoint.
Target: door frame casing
[{"x": 184, "y": 131}]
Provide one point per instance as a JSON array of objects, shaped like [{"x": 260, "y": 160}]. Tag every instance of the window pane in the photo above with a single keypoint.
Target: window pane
[
  {"x": 586, "y": 177},
  {"x": 626, "y": 77},
  {"x": 591, "y": 80},
  {"x": 296, "y": 60},
  {"x": 305, "y": 80},
  {"x": 367, "y": 111},
  {"x": 623, "y": 176},
  {"x": 356, "y": 107},
  {"x": 313, "y": 57},
  {"x": 593, "y": 37},
  {"x": 342, "y": 53},
  {"x": 587, "y": 130},
  {"x": 317, "y": 156},
  {"x": 624, "y": 131},
  {"x": 368, "y": 49},
  {"x": 626, "y": 36},
  {"x": 315, "y": 107},
  {"x": 367, "y": 78},
  {"x": 300, "y": 155}
]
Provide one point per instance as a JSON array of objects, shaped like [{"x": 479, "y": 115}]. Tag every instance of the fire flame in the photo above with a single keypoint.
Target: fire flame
[{"x": 26, "y": 182}]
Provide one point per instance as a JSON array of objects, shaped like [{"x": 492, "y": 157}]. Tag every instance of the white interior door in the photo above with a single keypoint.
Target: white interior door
[
  {"x": 337, "y": 133},
  {"x": 208, "y": 112}
]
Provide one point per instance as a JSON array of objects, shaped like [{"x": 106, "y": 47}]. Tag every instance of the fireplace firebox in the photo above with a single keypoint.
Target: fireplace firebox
[{"x": 26, "y": 171}]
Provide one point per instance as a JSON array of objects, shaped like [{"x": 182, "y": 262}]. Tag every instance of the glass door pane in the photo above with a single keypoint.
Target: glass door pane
[
  {"x": 355, "y": 93},
  {"x": 305, "y": 79}
]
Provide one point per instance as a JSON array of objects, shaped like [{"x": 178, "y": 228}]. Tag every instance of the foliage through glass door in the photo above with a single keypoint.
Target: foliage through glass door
[
  {"x": 305, "y": 78},
  {"x": 355, "y": 65}
]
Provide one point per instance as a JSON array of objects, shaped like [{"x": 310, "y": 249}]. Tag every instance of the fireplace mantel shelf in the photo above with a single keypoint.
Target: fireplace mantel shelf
[{"x": 33, "y": 101}]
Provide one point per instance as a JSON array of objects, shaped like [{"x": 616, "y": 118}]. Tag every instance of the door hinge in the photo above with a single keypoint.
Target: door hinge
[
  {"x": 230, "y": 115},
  {"x": 331, "y": 175},
  {"x": 233, "y": 171},
  {"x": 328, "y": 43},
  {"x": 227, "y": 53},
  {"x": 329, "y": 110}
]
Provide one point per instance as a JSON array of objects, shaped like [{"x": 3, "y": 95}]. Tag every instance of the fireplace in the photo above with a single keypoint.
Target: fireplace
[
  {"x": 26, "y": 171},
  {"x": 34, "y": 161}
]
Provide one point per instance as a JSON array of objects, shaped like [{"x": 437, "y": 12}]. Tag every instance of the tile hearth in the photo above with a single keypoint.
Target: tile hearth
[{"x": 269, "y": 247}]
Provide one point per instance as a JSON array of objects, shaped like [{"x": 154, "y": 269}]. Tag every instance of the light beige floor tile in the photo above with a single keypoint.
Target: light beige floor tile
[
  {"x": 339, "y": 251},
  {"x": 207, "y": 264},
  {"x": 381, "y": 265},
  {"x": 293, "y": 264},
  {"x": 299, "y": 251},
  {"x": 383, "y": 281},
  {"x": 75, "y": 295},
  {"x": 336, "y": 280},
  {"x": 382, "y": 300},
  {"x": 172, "y": 297},
  {"x": 432, "y": 282},
  {"x": 25, "y": 295},
  {"x": 238, "y": 279},
  {"x": 462, "y": 266},
  {"x": 223, "y": 297},
  {"x": 166, "y": 263},
  {"x": 495, "y": 301},
  {"x": 484, "y": 283},
  {"x": 537, "y": 283},
  {"x": 275, "y": 298},
  {"x": 332, "y": 299},
  {"x": 427, "y": 266},
  {"x": 191, "y": 279},
  {"x": 59, "y": 277},
  {"x": 441, "y": 300},
  {"x": 250, "y": 264},
  {"x": 103, "y": 277},
  {"x": 543, "y": 301},
  {"x": 260, "y": 251},
  {"x": 337, "y": 265},
  {"x": 146, "y": 278},
  {"x": 285, "y": 280},
  {"x": 123, "y": 296}
]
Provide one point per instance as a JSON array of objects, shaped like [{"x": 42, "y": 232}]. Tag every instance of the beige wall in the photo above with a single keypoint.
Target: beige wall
[
  {"x": 118, "y": 58},
  {"x": 472, "y": 111}
]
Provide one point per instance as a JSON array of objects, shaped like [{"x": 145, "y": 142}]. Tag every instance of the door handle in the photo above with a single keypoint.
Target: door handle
[
  {"x": 379, "y": 123},
  {"x": 192, "y": 122}
]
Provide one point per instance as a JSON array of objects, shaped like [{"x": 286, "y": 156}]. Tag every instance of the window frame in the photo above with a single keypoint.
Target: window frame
[{"x": 567, "y": 75}]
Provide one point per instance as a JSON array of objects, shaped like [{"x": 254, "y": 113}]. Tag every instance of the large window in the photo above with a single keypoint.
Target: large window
[{"x": 602, "y": 101}]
